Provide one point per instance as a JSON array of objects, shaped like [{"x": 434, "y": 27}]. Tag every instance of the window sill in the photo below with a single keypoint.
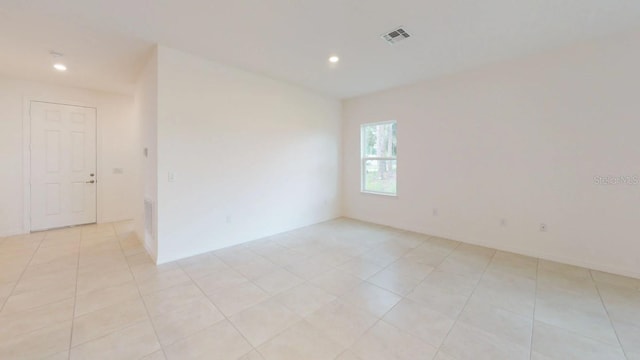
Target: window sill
[{"x": 378, "y": 193}]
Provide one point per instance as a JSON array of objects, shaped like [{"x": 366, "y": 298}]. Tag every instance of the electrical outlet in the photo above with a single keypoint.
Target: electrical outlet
[
  {"x": 543, "y": 227},
  {"x": 435, "y": 212},
  {"x": 118, "y": 170},
  {"x": 503, "y": 222},
  {"x": 228, "y": 219},
  {"x": 171, "y": 177}
]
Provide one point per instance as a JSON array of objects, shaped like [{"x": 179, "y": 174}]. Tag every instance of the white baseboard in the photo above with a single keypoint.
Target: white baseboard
[{"x": 525, "y": 252}]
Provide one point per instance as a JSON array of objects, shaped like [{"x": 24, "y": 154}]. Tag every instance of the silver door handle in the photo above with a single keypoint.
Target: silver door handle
[{"x": 90, "y": 181}]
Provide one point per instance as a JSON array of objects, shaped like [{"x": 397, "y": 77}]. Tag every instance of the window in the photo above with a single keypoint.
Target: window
[{"x": 379, "y": 161}]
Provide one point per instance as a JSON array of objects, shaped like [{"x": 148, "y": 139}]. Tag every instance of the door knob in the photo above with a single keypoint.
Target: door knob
[{"x": 91, "y": 181}]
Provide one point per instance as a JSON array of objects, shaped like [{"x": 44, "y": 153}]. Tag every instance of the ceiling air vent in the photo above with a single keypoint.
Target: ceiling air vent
[{"x": 396, "y": 35}]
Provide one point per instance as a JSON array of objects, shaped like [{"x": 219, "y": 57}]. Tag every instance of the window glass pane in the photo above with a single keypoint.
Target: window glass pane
[
  {"x": 380, "y": 140},
  {"x": 380, "y": 176}
]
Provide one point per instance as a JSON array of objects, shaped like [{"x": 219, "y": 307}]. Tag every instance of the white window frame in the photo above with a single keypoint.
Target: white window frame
[{"x": 364, "y": 159}]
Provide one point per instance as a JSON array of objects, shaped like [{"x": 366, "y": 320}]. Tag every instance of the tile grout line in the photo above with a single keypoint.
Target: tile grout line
[
  {"x": 140, "y": 293},
  {"x": 214, "y": 305},
  {"x": 535, "y": 302},
  {"x": 75, "y": 293},
  {"x": 604, "y": 306},
  {"x": 307, "y": 282},
  {"x": 455, "y": 322},
  {"x": 24, "y": 270},
  {"x": 404, "y": 297}
]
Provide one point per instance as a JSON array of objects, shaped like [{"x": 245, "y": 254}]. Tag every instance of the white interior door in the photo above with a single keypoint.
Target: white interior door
[{"x": 63, "y": 165}]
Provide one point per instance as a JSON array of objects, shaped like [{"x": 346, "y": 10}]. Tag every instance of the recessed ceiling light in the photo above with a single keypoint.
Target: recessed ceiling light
[
  {"x": 60, "y": 67},
  {"x": 334, "y": 59}
]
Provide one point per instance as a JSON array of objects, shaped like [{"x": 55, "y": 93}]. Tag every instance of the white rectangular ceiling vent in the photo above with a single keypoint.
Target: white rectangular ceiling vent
[{"x": 396, "y": 35}]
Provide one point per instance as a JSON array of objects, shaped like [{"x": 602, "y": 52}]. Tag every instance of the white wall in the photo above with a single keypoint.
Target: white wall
[
  {"x": 251, "y": 156},
  {"x": 520, "y": 141},
  {"x": 115, "y": 143},
  {"x": 146, "y": 116}
]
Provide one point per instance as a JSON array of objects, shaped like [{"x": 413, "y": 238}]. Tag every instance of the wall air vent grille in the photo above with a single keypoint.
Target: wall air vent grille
[{"x": 396, "y": 35}]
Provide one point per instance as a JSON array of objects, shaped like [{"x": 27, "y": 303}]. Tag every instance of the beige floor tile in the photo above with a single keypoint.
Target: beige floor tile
[
  {"x": 64, "y": 355},
  {"x": 501, "y": 323},
  {"x": 408, "y": 267},
  {"x": 348, "y": 355},
  {"x": 514, "y": 265},
  {"x": 27, "y": 321},
  {"x": 560, "y": 344},
  {"x": 278, "y": 281},
  {"x": 514, "y": 293},
  {"x": 469, "y": 267},
  {"x": 186, "y": 319},
  {"x": 171, "y": 299},
  {"x": 427, "y": 254},
  {"x": 612, "y": 279},
  {"x": 420, "y": 321},
  {"x": 633, "y": 355},
  {"x": 468, "y": 342},
  {"x": 441, "y": 355},
  {"x": 261, "y": 322},
  {"x": 537, "y": 356},
  {"x": 384, "y": 255},
  {"x": 235, "y": 299},
  {"x": 254, "y": 269},
  {"x": 278, "y": 255},
  {"x": 220, "y": 280},
  {"x": 440, "y": 299},
  {"x": 629, "y": 335},
  {"x": 64, "y": 264},
  {"x": 38, "y": 344},
  {"x": 133, "y": 342},
  {"x": 158, "y": 355},
  {"x": 220, "y": 341},
  {"x": 96, "y": 281},
  {"x": 360, "y": 268},
  {"x": 621, "y": 303},
  {"x": 39, "y": 282},
  {"x": 302, "y": 341},
  {"x": 124, "y": 227},
  {"x": 335, "y": 256},
  {"x": 371, "y": 298},
  {"x": 451, "y": 282},
  {"x": 162, "y": 280},
  {"x": 237, "y": 255},
  {"x": 384, "y": 341},
  {"x": 11, "y": 272},
  {"x": 336, "y": 282},
  {"x": 5, "y": 290},
  {"x": 305, "y": 299},
  {"x": 33, "y": 299},
  {"x": 399, "y": 282},
  {"x": 105, "y": 297},
  {"x": 580, "y": 314},
  {"x": 306, "y": 294},
  {"x": 308, "y": 268},
  {"x": 131, "y": 245},
  {"x": 143, "y": 269},
  {"x": 254, "y": 355},
  {"x": 341, "y": 322},
  {"x": 202, "y": 265},
  {"x": 552, "y": 268},
  {"x": 107, "y": 320}
]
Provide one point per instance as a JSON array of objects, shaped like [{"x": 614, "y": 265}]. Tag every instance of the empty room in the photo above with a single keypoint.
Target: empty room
[{"x": 320, "y": 180}]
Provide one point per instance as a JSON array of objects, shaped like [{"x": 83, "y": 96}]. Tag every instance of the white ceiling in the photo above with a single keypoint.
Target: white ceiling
[{"x": 105, "y": 41}]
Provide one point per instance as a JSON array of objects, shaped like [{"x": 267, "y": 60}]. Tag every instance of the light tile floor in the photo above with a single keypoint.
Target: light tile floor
[{"x": 338, "y": 290}]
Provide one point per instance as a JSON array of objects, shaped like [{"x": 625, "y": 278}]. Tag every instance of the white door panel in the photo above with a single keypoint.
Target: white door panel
[{"x": 63, "y": 165}]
